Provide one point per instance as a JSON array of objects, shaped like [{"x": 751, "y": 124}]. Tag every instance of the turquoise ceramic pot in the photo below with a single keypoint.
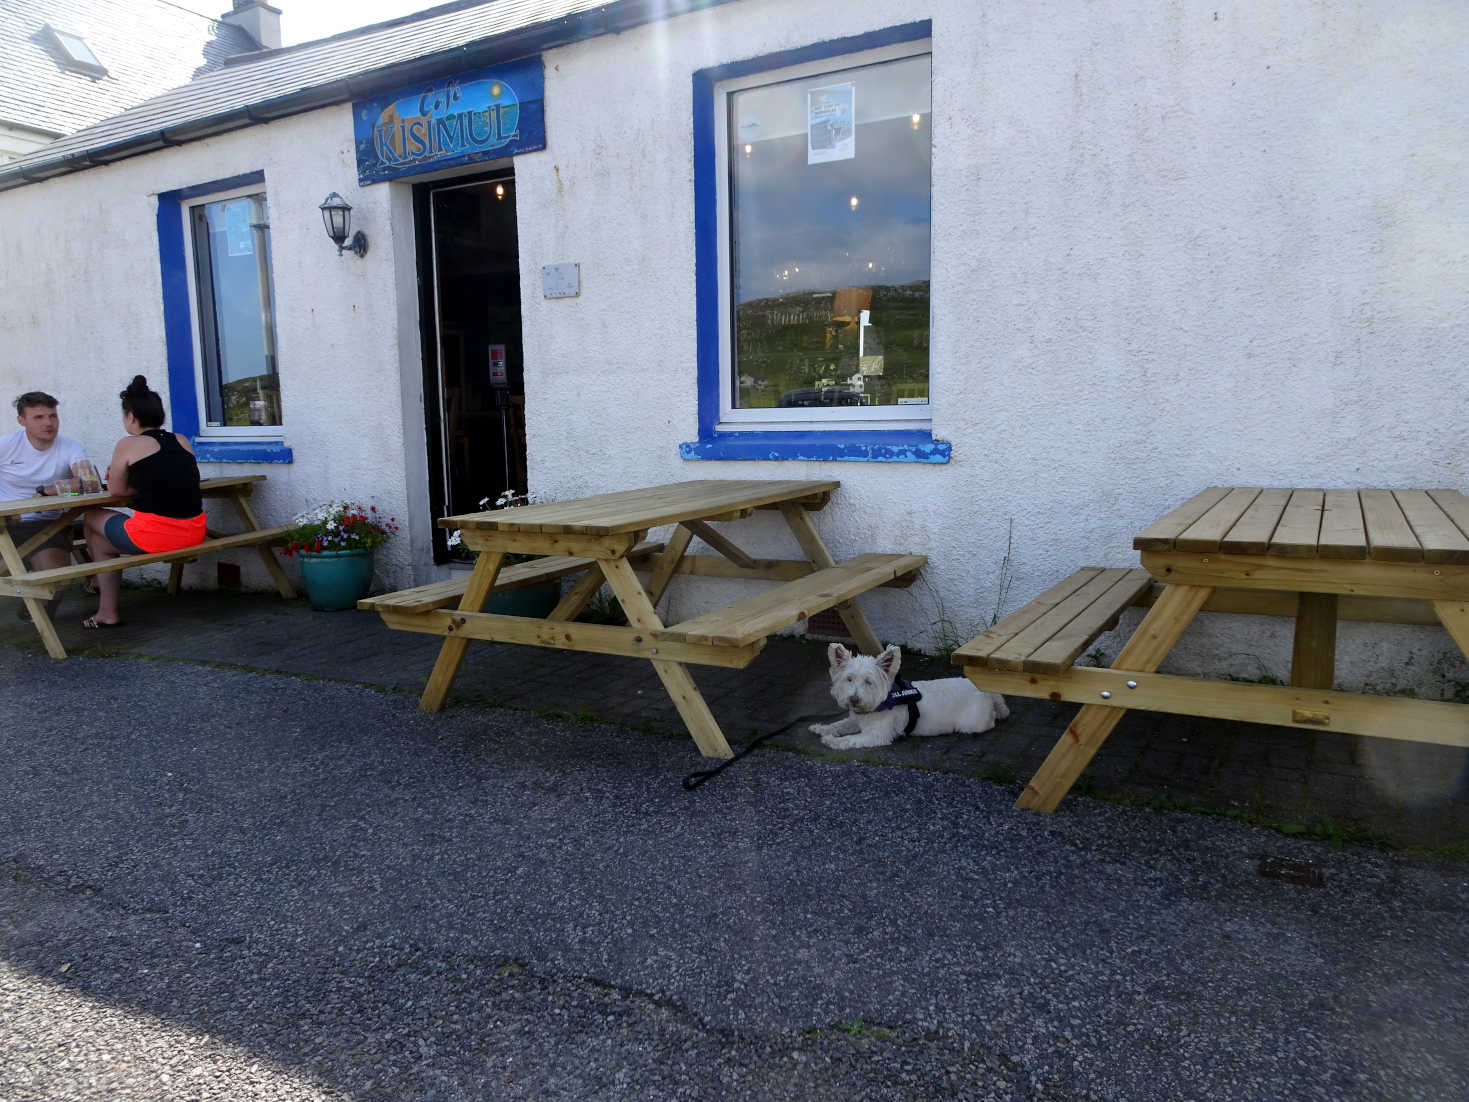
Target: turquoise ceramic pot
[{"x": 335, "y": 580}]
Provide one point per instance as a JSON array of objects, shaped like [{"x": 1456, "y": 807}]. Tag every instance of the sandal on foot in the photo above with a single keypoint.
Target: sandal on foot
[{"x": 91, "y": 623}]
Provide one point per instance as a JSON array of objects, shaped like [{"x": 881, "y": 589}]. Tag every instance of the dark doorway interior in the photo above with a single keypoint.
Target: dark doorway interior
[{"x": 474, "y": 380}]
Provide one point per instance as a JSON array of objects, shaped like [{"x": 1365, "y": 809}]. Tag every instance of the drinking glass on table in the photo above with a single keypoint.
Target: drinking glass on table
[
  {"x": 65, "y": 487},
  {"x": 87, "y": 477}
]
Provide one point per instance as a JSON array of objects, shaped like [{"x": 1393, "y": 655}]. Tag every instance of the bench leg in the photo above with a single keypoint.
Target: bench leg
[
  {"x": 1144, "y": 652},
  {"x": 1313, "y": 658},
  {"x": 1454, "y": 615},
  {"x": 799, "y": 520},
  {"x": 267, "y": 556},
  {"x": 36, "y": 606},
  {"x": 666, "y": 563},
  {"x": 451, "y": 653},
  {"x": 692, "y": 708}
]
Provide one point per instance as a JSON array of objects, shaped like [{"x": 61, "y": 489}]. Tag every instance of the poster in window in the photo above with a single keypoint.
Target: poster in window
[
  {"x": 830, "y": 117},
  {"x": 238, "y": 231}
]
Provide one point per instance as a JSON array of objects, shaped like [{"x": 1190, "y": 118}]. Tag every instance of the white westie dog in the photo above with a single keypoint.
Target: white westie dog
[{"x": 881, "y": 706}]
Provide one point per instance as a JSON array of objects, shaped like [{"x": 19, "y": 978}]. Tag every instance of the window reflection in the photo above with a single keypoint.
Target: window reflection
[
  {"x": 830, "y": 185},
  {"x": 236, "y": 312}
]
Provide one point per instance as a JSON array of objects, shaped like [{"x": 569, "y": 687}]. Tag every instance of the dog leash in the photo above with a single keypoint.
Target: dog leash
[{"x": 699, "y": 776}]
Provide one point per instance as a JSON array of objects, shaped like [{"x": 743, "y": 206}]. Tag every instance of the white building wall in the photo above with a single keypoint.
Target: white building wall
[
  {"x": 84, "y": 313},
  {"x": 1174, "y": 245}
]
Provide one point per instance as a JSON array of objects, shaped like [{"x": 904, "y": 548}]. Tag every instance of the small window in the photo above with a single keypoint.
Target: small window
[
  {"x": 238, "y": 384},
  {"x": 74, "y": 53},
  {"x": 824, "y": 213}
]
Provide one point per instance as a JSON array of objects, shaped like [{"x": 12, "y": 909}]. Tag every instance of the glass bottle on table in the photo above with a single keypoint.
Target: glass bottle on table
[{"x": 88, "y": 481}]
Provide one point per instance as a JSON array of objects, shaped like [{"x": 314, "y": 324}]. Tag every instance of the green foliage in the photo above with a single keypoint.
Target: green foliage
[{"x": 339, "y": 526}]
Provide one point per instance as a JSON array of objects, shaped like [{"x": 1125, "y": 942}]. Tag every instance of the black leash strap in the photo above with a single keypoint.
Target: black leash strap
[{"x": 698, "y": 777}]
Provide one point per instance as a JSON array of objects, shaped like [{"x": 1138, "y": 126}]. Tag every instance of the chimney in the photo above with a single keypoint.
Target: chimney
[{"x": 259, "y": 20}]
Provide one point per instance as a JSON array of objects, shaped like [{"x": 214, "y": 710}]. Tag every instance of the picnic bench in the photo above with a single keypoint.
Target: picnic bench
[
  {"x": 1317, "y": 556},
  {"x": 602, "y": 540},
  {"x": 35, "y": 587}
]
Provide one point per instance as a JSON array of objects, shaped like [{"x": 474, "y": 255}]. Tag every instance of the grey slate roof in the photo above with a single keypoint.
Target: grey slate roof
[
  {"x": 147, "y": 47},
  {"x": 276, "y": 83}
]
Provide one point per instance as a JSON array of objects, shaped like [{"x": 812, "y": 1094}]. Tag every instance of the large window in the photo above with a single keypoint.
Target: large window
[
  {"x": 828, "y": 225},
  {"x": 239, "y": 389},
  {"x": 815, "y": 324},
  {"x": 219, "y": 320}
]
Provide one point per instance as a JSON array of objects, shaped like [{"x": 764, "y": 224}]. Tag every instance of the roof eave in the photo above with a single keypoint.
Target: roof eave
[{"x": 522, "y": 41}]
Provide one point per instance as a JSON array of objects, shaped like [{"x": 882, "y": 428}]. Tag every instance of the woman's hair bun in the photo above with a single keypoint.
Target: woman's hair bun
[{"x": 139, "y": 385}]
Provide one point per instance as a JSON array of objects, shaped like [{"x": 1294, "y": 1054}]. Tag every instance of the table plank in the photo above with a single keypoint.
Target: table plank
[
  {"x": 1343, "y": 531},
  {"x": 1206, "y": 533},
  {"x": 1390, "y": 537},
  {"x": 1455, "y": 506},
  {"x": 1442, "y": 540},
  {"x": 209, "y": 487},
  {"x": 1300, "y": 525},
  {"x": 1252, "y": 532},
  {"x": 638, "y": 510},
  {"x": 1159, "y": 535}
]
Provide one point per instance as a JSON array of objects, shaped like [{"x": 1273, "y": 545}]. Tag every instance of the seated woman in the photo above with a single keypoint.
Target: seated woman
[{"x": 159, "y": 470}]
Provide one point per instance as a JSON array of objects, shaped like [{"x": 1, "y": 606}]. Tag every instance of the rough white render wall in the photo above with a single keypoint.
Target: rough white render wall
[
  {"x": 1174, "y": 245},
  {"x": 83, "y": 313}
]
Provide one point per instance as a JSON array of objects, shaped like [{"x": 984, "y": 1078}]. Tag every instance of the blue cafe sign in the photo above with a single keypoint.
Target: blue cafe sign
[{"x": 452, "y": 121}]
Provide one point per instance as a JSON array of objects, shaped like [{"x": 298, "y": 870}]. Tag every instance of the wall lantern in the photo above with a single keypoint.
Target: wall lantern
[{"x": 336, "y": 212}]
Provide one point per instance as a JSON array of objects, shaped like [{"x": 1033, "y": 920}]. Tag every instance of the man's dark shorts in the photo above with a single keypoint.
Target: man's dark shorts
[{"x": 22, "y": 530}]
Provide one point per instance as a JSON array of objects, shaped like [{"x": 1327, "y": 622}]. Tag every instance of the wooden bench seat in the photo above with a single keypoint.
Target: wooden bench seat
[
  {"x": 46, "y": 582},
  {"x": 744, "y": 622},
  {"x": 1048, "y": 634},
  {"x": 449, "y": 591}
]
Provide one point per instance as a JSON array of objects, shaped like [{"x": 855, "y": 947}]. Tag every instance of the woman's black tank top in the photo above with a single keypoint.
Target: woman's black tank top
[{"x": 166, "y": 483}]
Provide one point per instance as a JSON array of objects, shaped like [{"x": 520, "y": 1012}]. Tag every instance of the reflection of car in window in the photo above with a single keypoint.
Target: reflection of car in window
[{"x": 820, "y": 396}]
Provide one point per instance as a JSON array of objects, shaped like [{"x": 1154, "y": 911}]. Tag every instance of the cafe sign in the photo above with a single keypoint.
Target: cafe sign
[{"x": 469, "y": 117}]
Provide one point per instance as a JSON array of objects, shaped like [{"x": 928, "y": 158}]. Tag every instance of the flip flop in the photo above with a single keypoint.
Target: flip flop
[{"x": 91, "y": 623}]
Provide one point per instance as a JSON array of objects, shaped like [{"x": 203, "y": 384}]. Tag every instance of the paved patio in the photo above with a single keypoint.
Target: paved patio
[{"x": 1318, "y": 783}]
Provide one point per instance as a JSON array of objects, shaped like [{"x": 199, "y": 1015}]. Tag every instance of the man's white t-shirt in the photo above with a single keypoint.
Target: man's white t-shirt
[{"x": 23, "y": 467}]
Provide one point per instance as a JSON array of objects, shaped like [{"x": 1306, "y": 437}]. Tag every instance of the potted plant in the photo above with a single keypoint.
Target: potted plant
[
  {"x": 336, "y": 542},
  {"x": 530, "y": 600}
]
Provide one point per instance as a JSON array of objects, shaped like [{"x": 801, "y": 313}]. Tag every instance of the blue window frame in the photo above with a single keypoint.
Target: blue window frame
[
  {"x": 829, "y": 361},
  {"x": 193, "y": 320}
]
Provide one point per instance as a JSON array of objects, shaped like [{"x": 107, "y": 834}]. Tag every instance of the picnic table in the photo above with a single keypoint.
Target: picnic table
[
  {"x": 602, "y": 539},
  {"x": 34, "y": 587},
  {"x": 1317, "y": 556}
]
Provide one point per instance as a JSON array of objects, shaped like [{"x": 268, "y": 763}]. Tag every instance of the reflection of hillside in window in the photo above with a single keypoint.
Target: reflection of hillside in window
[
  {"x": 832, "y": 257},
  {"x": 240, "y": 383}
]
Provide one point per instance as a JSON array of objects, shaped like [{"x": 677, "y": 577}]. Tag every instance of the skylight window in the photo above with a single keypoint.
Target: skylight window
[{"x": 75, "y": 54}]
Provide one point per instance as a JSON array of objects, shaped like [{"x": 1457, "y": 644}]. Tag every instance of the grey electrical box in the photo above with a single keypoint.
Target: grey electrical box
[{"x": 561, "y": 280}]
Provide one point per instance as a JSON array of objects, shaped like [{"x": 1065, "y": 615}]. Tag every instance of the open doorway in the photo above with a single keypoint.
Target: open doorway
[{"x": 474, "y": 379}]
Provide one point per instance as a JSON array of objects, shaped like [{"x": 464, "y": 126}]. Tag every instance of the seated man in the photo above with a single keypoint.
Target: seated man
[{"x": 31, "y": 460}]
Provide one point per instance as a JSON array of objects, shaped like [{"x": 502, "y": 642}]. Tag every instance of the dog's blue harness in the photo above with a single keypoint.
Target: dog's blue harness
[{"x": 903, "y": 692}]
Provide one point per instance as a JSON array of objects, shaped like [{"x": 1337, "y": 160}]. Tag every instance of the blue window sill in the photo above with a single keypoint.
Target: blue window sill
[
  {"x": 241, "y": 451},
  {"x": 859, "y": 447}
]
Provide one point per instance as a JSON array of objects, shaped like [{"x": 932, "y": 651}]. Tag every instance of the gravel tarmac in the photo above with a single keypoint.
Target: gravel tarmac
[{"x": 223, "y": 885}]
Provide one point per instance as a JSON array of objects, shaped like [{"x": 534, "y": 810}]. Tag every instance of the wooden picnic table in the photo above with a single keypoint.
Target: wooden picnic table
[
  {"x": 1397, "y": 556},
  {"x": 603, "y": 539},
  {"x": 36, "y": 586}
]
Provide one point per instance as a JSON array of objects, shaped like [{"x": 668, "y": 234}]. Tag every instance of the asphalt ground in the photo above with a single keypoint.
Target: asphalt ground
[
  {"x": 222, "y": 884},
  {"x": 1324, "y": 784}
]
